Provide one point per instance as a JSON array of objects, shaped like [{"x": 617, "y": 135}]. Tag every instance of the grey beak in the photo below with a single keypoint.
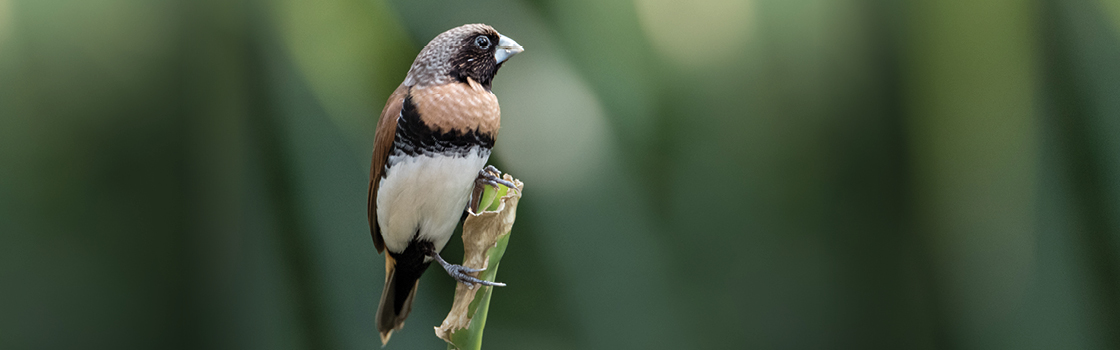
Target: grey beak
[{"x": 506, "y": 48}]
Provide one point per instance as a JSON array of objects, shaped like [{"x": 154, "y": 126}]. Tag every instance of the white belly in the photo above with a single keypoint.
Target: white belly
[{"x": 425, "y": 195}]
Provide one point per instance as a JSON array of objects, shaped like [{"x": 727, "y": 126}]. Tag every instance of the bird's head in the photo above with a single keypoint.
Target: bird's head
[{"x": 474, "y": 51}]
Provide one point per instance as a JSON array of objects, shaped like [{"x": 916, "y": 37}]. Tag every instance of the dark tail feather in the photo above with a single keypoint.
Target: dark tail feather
[{"x": 396, "y": 298}]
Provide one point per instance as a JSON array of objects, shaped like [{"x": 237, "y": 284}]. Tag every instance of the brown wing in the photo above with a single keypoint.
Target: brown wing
[{"x": 382, "y": 143}]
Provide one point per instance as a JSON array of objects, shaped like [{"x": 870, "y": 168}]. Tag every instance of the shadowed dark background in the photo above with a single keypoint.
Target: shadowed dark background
[{"x": 755, "y": 174}]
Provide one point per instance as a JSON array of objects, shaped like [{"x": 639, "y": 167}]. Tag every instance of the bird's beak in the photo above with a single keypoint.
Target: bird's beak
[{"x": 506, "y": 48}]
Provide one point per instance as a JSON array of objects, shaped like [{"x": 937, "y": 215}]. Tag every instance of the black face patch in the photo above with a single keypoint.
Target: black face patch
[{"x": 475, "y": 59}]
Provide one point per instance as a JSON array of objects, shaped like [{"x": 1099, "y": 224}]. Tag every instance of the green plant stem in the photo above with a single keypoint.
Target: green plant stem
[{"x": 470, "y": 338}]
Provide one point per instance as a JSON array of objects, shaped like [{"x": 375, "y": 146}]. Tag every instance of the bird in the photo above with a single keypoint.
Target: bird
[{"x": 431, "y": 146}]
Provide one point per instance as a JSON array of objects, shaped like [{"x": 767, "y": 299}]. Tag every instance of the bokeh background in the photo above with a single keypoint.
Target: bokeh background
[{"x": 708, "y": 174}]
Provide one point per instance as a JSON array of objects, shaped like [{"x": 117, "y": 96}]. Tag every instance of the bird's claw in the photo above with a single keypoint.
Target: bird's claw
[
  {"x": 490, "y": 175},
  {"x": 462, "y": 274}
]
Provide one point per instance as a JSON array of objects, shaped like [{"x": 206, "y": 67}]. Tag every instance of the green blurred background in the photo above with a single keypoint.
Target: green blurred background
[{"x": 758, "y": 174}]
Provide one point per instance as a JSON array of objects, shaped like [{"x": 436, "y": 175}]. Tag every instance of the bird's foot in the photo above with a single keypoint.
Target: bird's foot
[
  {"x": 461, "y": 273},
  {"x": 493, "y": 177}
]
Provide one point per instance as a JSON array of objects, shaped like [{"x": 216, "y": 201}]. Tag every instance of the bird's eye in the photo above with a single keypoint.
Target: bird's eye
[{"x": 482, "y": 42}]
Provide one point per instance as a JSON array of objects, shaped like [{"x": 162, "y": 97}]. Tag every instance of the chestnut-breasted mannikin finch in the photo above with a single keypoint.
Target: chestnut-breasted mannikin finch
[{"x": 430, "y": 149}]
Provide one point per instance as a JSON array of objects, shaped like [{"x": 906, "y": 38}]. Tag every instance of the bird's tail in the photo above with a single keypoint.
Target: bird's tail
[{"x": 401, "y": 282}]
